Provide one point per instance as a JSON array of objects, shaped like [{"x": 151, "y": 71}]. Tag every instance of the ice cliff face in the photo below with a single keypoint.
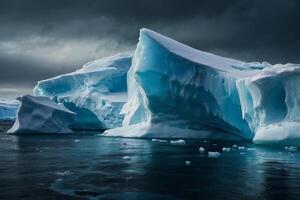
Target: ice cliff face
[
  {"x": 270, "y": 103},
  {"x": 41, "y": 115},
  {"x": 96, "y": 92},
  {"x": 177, "y": 91},
  {"x": 8, "y": 109}
]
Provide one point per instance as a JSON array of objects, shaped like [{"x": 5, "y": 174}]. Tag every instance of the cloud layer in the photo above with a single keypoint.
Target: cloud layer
[{"x": 41, "y": 39}]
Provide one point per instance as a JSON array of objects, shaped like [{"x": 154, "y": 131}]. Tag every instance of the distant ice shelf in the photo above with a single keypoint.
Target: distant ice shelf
[{"x": 8, "y": 109}]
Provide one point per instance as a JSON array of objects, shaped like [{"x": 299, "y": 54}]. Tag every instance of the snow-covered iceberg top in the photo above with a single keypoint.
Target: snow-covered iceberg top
[
  {"x": 176, "y": 91},
  {"x": 96, "y": 92},
  {"x": 42, "y": 115},
  {"x": 8, "y": 109}
]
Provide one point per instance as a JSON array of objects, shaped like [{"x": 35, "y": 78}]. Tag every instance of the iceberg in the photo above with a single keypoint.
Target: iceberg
[
  {"x": 96, "y": 92},
  {"x": 176, "y": 91},
  {"x": 42, "y": 115},
  {"x": 8, "y": 109}
]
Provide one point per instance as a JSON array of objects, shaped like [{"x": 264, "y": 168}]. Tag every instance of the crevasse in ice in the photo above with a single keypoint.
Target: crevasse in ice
[
  {"x": 96, "y": 92},
  {"x": 41, "y": 115},
  {"x": 175, "y": 91}
]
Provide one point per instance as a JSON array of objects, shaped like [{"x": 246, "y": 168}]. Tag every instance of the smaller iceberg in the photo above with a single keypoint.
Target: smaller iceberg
[
  {"x": 96, "y": 92},
  {"x": 42, "y": 115},
  {"x": 8, "y": 109}
]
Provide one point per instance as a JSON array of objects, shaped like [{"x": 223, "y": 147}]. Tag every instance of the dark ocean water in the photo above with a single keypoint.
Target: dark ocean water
[{"x": 88, "y": 166}]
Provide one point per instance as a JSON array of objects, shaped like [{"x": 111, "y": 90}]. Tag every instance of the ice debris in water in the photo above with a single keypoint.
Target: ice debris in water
[
  {"x": 226, "y": 149},
  {"x": 214, "y": 154},
  {"x": 159, "y": 140},
  {"x": 234, "y": 146},
  {"x": 187, "y": 163},
  {"x": 242, "y": 148},
  {"x": 201, "y": 150},
  {"x": 64, "y": 173},
  {"x": 76, "y": 140},
  {"x": 291, "y": 148},
  {"x": 180, "y": 141},
  {"x": 126, "y": 158}
]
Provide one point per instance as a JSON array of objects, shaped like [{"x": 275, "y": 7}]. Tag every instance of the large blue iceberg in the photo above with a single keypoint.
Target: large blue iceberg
[
  {"x": 42, "y": 115},
  {"x": 175, "y": 91},
  {"x": 96, "y": 92}
]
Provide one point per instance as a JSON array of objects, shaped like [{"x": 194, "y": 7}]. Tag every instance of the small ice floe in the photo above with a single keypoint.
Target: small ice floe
[
  {"x": 159, "y": 140},
  {"x": 201, "y": 150},
  {"x": 76, "y": 140},
  {"x": 242, "y": 148},
  {"x": 126, "y": 158},
  {"x": 187, "y": 163},
  {"x": 214, "y": 144},
  {"x": 226, "y": 149},
  {"x": 214, "y": 154},
  {"x": 234, "y": 146},
  {"x": 204, "y": 141},
  {"x": 291, "y": 148},
  {"x": 177, "y": 141},
  {"x": 64, "y": 173}
]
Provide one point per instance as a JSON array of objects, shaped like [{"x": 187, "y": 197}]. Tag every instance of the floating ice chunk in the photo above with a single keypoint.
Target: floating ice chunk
[
  {"x": 41, "y": 115},
  {"x": 180, "y": 141},
  {"x": 126, "y": 158},
  {"x": 291, "y": 148},
  {"x": 234, "y": 146},
  {"x": 187, "y": 163},
  {"x": 242, "y": 148},
  {"x": 64, "y": 173},
  {"x": 214, "y": 154},
  {"x": 226, "y": 149},
  {"x": 154, "y": 140},
  {"x": 76, "y": 140},
  {"x": 201, "y": 150}
]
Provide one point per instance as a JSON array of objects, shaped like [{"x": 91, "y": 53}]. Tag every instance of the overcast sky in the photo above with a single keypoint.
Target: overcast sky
[{"x": 43, "y": 38}]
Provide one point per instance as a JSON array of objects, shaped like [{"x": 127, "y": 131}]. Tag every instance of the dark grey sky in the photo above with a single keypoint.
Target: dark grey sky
[{"x": 43, "y": 38}]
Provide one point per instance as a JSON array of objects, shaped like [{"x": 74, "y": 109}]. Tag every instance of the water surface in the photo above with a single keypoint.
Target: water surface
[{"x": 93, "y": 167}]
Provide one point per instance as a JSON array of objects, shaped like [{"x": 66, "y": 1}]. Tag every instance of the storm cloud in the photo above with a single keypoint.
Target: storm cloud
[{"x": 41, "y": 39}]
